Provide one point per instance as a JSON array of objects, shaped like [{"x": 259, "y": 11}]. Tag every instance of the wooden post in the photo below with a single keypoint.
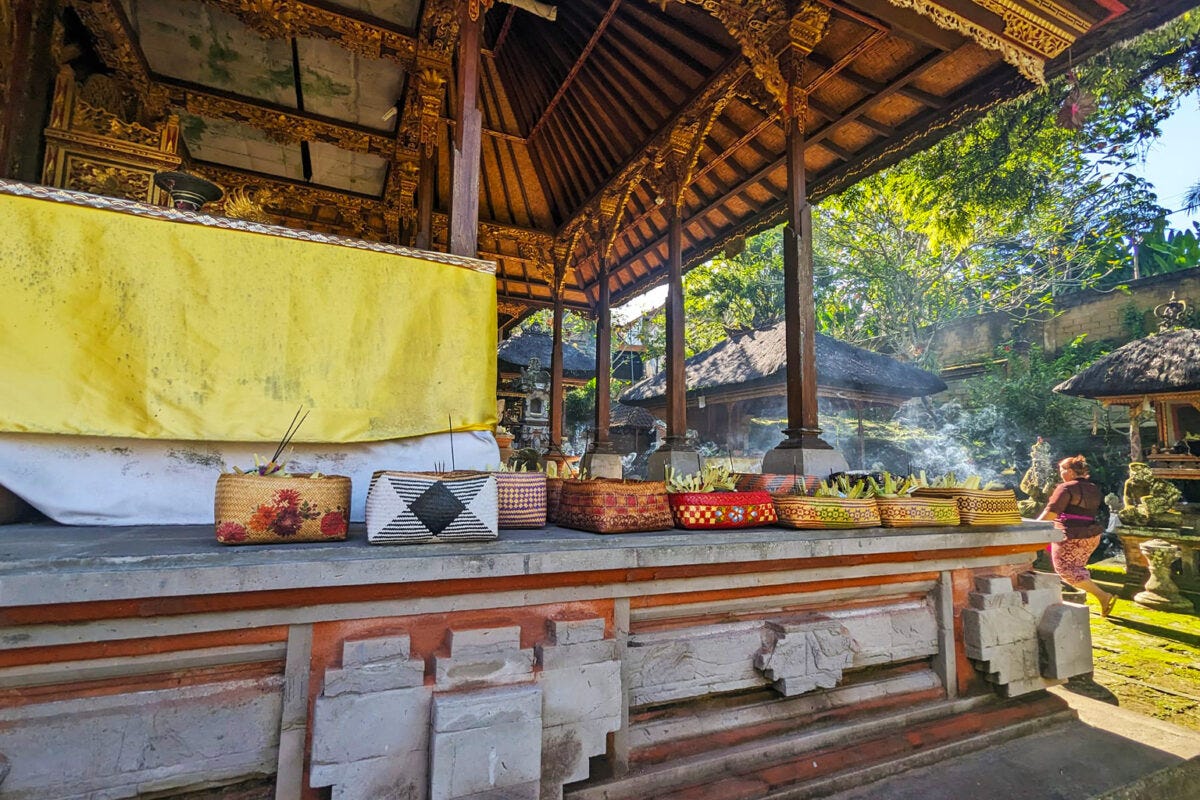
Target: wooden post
[
  {"x": 799, "y": 310},
  {"x": 464, "y": 200},
  {"x": 1135, "y": 433},
  {"x": 424, "y": 239},
  {"x": 603, "y": 360},
  {"x": 676, "y": 376},
  {"x": 862, "y": 438},
  {"x": 556, "y": 365}
]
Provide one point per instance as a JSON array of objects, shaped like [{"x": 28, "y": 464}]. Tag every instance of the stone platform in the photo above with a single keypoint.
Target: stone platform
[{"x": 153, "y": 660}]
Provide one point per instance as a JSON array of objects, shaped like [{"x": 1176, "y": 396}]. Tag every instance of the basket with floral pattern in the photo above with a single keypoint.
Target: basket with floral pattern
[
  {"x": 707, "y": 501},
  {"x": 613, "y": 506},
  {"x": 269, "y": 509}
]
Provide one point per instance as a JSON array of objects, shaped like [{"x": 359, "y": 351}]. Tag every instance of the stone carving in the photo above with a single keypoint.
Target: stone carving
[
  {"x": 1039, "y": 480},
  {"x": 488, "y": 727},
  {"x": 1027, "y": 639},
  {"x": 1149, "y": 501},
  {"x": 1161, "y": 592},
  {"x": 1173, "y": 314},
  {"x": 803, "y": 655}
]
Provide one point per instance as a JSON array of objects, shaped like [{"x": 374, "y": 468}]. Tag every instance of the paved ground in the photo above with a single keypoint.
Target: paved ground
[{"x": 1138, "y": 715}]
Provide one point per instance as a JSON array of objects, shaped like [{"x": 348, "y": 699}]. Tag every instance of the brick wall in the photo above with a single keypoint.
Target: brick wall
[{"x": 1098, "y": 314}]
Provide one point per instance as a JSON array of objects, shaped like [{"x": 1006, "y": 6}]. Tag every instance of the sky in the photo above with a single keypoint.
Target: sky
[{"x": 1172, "y": 165}]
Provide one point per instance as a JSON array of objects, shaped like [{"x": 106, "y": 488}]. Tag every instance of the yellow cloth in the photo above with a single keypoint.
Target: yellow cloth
[{"x": 117, "y": 325}]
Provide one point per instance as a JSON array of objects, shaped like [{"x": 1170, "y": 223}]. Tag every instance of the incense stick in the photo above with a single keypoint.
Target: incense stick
[{"x": 453, "y": 466}]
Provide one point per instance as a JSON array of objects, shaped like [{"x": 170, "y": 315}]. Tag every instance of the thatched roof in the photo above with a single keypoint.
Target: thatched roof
[
  {"x": 1162, "y": 363},
  {"x": 757, "y": 358},
  {"x": 516, "y": 351},
  {"x": 623, "y": 416}
]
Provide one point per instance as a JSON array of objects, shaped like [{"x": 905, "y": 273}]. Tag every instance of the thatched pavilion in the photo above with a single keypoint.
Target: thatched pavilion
[
  {"x": 1159, "y": 372},
  {"x": 750, "y": 366}
]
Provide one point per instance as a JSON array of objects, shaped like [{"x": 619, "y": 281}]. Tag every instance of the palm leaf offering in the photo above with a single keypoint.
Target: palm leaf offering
[{"x": 710, "y": 478}]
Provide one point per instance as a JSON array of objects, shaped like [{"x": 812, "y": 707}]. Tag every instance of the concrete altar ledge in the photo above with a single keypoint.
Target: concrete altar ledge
[{"x": 48, "y": 563}]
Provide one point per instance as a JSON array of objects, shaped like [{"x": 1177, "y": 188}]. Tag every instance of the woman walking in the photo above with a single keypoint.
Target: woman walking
[{"x": 1073, "y": 507}]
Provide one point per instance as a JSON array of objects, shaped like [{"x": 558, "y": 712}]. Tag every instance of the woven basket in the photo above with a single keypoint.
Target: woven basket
[
  {"x": 979, "y": 506},
  {"x": 774, "y": 482},
  {"x": 917, "y": 512},
  {"x": 719, "y": 510},
  {"x": 423, "y": 507},
  {"x": 612, "y": 506},
  {"x": 268, "y": 509},
  {"x": 553, "y": 495},
  {"x": 822, "y": 513},
  {"x": 521, "y": 497}
]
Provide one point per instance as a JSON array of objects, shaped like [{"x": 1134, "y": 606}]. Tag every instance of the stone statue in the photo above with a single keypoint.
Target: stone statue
[
  {"x": 1149, "y": 501},
  {"x": 1039, "y": 480}
]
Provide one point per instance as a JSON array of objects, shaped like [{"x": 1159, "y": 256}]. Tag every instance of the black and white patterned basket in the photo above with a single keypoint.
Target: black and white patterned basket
[{"x": 422, "y": 507}]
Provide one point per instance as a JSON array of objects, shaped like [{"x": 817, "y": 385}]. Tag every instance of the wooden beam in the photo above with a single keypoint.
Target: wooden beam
[
  {"x": 578, "y": 65},
  {"x": 464, "y": 197},
  {"x": 676, "y": 377},
  {"x": 603, "y": 363}
]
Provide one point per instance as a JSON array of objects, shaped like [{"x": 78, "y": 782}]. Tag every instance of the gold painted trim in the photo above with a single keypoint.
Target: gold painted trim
[{"x": 1027, "y": 63}]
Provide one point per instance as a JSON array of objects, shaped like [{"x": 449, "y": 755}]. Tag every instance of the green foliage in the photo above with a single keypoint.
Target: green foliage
[
  {"x": 579, "y": 404},
  {"x": 1133, "y": 320}
]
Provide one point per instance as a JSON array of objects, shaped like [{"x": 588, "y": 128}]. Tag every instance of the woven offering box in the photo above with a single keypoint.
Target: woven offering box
[
  {"x": 269, "y": 509},
  {"x": 522, "y": 499},
  {"x": 612, "y": 506},
  {"x": 775, "y": 483},
  {"x": 423, "y": 507},
  {"x": 822, "y": 513},
  {"x": 917, "y": 512},
  {"x": 553, "y": 495},
  {"x": 718, "y": 510},
  {"x": 979, "y": 506}
]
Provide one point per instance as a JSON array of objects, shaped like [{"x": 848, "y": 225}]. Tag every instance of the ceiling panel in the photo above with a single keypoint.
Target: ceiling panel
[
  {"x": 339, "y": 84},
  {"x": 341, "y": 169},
  {"x": 236, "y": 145},
  {"x": 401, "y": 13},
  {"x": 190, "y": 41}
]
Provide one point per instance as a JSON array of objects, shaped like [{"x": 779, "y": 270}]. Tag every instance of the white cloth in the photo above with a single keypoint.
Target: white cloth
[{"x": 91, "y": 480}]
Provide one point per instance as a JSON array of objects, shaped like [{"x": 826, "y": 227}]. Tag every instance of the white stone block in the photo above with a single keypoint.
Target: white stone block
[
  {"x": 353, "y": 727},
  {"x": 462, "y": 711},
  {"x": 400, "y": 775},
  {"x": 805, "y": 655},
  {"x": 380, "y": 676},
  {"x": 1038, "y": 600},
  {"x": 486, "y": 744},
  {"x": 575, "y": 631},
  {"x": 483, "y": 641},
  {"x": 582, "y": 693},
  {"x": 985, "y": 601},
  {"x": 1039, "y": 580},
  {"x": 1065, "y": 640},
  {"x": 481, "y": 669},
  {"x": 993, "y": 584},
  {"x": 996, "y": 626},
  {"x": 559, "y": 656},
  {"x": 367, "y": 651}
]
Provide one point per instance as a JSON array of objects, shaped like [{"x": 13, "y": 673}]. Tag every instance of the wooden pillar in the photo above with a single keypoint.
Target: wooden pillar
[
  {"x": 862, "y": 438},
  {"x": 676, "y": 375},
  {"x": 799, "y": 309},
  {"x": 1135, "y": 433},
  {"x": 464, "y": 201},
  {"x": 556, "y": 365},
  {"x": 424, "y": 240},
  {"x": 603, "y": 359}
]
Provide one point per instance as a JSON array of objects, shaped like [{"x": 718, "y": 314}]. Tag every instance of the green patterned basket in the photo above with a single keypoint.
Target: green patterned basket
[
  {"x": 917, "y": 512},
  {"x": 820, "y": 513}
]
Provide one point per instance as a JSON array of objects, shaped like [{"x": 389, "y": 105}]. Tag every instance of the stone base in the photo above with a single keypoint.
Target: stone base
[
  {"x": 682, "y": 460},
  {"x": 804, "y": 461},
  {"x": 602, "y": 465},
  {"x": 1158, "y": 602}
]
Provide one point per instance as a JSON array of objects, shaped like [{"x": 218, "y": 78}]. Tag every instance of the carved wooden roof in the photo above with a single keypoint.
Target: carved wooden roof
[{"x": 590, "y": 119}]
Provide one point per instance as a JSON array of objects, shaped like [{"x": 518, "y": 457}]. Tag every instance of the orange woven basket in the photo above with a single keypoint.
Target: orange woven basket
[
  {"x": 268, "y": 509},
  {"x": 612, "y": 506}
]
